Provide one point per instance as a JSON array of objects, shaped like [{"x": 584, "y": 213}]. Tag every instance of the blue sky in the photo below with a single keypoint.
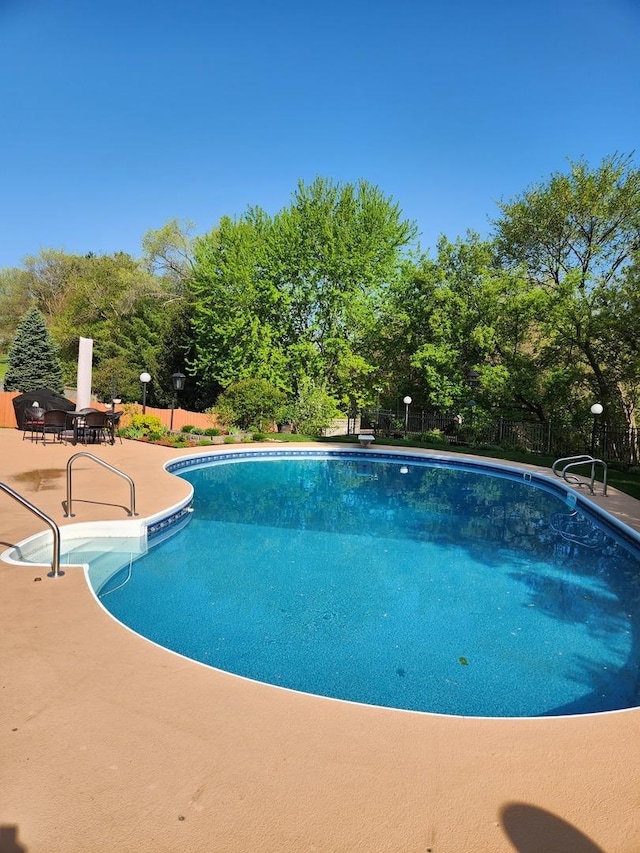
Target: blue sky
[{"x": 117, "y": 116}]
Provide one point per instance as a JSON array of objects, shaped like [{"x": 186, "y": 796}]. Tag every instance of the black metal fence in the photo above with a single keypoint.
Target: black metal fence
[{"x": 548, "y": 439}]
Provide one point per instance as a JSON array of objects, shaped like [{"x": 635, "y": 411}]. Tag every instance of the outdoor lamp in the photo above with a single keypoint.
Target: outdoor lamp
[
  {"x": 144, "y": 378},
  {"x": 407, "y": 403},
  {"x": 177, "y": 380},
  {"x": 596, "y": 410},
  {"x": 473, "y": 378}
]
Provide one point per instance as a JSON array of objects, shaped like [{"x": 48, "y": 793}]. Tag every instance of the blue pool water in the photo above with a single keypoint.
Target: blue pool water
[{"x": 394, "y": 583}]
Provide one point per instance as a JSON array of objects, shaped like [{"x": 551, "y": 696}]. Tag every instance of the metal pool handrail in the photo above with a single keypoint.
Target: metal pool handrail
[
  {"x": 132, "y": 488},
  {"x": 55, "y": 565},
  {"x": 574, "y": 462}
]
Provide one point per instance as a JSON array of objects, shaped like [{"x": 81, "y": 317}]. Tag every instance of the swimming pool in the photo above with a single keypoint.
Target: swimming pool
[{"x": 394, "y": 580}]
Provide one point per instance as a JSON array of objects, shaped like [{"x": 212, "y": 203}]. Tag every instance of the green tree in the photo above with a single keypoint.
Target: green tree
[
  {"x": 15, "y": 299},
  {"x": 575, "y": 236},
  {"x": 169, "y": 252},
  {"x": 314, "y": 408},
  {"x": 296, "y": 295},
  {"x": 50, "y": 272},
  {"x": 438, "y": 325},
  {"x": 110, "y": 299},
  {"x": 237, "y": 311},
  {"x": 334, "y": 253},
  {"x": 250, "y": 403},
  {"x": 33, "y": 357}
]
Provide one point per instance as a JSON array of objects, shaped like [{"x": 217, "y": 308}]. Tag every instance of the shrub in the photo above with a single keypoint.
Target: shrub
[
  {"x": 213, "y": 431},
  {"x": 145, "y": 426},
  {"x": 432, "y": 436},
  {"x": 249, "y": 403},
  {"x": 187, "y": 428},
  {"x": 229, "y": 439},
  {"x": 204, "y": 442},
  {"x": 314, "y": 408},
  {"x": 259, "y": 436}
]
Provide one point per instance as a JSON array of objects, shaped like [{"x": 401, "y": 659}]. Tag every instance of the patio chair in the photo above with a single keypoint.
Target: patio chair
[
  {"x": 33, "y": 422},
  {"x": 113, "y": 423},
  {"x": 54, "y": 423},
  {"x": 95, "y": 429}
]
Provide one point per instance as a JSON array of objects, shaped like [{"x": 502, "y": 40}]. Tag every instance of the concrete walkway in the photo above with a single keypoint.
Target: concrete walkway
[{"x": 109, "y": 743}]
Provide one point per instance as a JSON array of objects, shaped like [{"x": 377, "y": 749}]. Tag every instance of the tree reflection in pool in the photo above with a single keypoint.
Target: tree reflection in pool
[{"x": 395, "y": 582}]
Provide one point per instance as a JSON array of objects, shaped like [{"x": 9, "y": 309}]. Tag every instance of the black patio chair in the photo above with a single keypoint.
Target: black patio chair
[
  {"x": 54, "y": 423},
  {"x": 95, "y": 429},
  {"x": 113, "y": 424},
  {"x": 33, "y": 422}
]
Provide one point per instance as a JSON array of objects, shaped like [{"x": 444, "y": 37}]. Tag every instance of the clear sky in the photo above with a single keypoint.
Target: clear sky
[{"x": 117, "y": 116}]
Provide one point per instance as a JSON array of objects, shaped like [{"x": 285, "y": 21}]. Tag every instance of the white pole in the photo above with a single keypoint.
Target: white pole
[{"x": 85, "y": 360}]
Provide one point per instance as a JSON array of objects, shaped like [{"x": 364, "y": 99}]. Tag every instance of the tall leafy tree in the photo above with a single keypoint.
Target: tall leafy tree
[
  {"x": 33, "y": 357},
  {"x": 335, "y": 251},
  {"x": 439, "y": 324},
  {"x": 237, "y": 310},
  {"x": 575, "y": 236},
  {"x": 117, "y": 302},
  {"x": 295, "y": 295},
  {"x": 15, "y": 299},
  {"x": 169, "y": 252}
]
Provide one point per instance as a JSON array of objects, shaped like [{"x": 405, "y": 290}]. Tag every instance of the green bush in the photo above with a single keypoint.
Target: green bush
[
  {"x": 213, "y": 431},
  {"x": 314, "y": 408},
  {"x": 259, "y": 436},
  {"x": 179, "y": 441},
  {"x": 187, "y": 428},
  {"x": 249, "y": 403},
  {"x": 145, "y": 426},
  {"x": 229, "y": 439},
  {"x": 432, "y": 436}
]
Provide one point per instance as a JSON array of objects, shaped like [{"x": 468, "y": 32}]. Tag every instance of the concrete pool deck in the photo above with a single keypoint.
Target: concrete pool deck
[{"x": 109, "y": 743}]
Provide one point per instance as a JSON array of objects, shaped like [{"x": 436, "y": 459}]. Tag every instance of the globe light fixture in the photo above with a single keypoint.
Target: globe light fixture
[
  {"x": 145, "y": 378},
  {"x": 596, "y": 410},
  {"x": 407, "y": 402}
]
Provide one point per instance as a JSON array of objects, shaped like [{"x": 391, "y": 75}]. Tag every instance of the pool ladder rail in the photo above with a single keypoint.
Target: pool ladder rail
[
  {"x": 132, "y": 489},
  {"x": 55, "y": 563},
  {"x": 571, "y": 462},
  {"x": 56, "y": 572}
]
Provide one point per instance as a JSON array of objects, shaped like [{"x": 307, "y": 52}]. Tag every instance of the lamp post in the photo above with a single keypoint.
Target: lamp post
[
  {"x": 473, "y": 379},
  {"x": 407, "y": 402},
  {"x": 596, "y": 410},
  {"x": 144, "y": 378},
  {"x": 177, "y": 380}
]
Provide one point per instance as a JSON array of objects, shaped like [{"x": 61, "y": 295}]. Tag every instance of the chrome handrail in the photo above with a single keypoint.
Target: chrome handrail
[
  {"x": 55, "y": 565},
  {"x": 132, "y": 488},
  {"x": 583, "y": 459},
  {"x": 584, "y": 456}
]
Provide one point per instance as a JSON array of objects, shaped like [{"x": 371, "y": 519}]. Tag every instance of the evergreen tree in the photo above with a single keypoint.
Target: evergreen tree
[{"x": 33, "y": 357}]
